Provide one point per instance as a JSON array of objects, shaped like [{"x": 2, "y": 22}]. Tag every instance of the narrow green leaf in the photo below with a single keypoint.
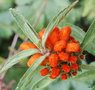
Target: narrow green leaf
[
  {"x": 90, "y": 35},
  {"x": 42, "y": 83},
  {"x": 56, "y": 20},
  {"x": 26, "y": 79},
  {"x": 25, "y": 26},
  {"x": 17, "y": 58},
  {"x": 86, "y": 76}
]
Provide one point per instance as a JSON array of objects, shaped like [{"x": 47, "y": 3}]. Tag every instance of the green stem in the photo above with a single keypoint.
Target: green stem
[{"x": 88, "y": 67}]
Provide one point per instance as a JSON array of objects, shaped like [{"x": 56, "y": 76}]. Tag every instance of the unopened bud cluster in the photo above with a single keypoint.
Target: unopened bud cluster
[{"x": 64, "y": 58}]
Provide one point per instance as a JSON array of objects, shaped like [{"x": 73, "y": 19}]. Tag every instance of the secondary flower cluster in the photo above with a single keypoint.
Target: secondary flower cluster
[{"x": 64, "y": 58}]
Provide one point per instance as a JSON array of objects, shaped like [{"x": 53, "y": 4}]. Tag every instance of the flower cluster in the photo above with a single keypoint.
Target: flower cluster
[{"x": 64, "y": 58}]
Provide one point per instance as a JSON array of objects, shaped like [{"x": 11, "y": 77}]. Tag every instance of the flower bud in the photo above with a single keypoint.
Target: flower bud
[
  {"x": 55, "y": 72},
  {"x": 73, "y": 59},
  {"x": 63, "y": 76},
  {"x": 53, "y": 60},
  {"x": 65, "y": 33},
  {"x": 33, "y": 59},
  {"x": 74, "y": 66},
  {"x": 66, "y": 68},
  {"x": 81, "y": 56},
  {"x": 72, "y": 47},
  {"x": 63, "y": 56},
  {"x": 59, "y": 45},
  {"x": 44, "y": 72},
  {"x": 74, "y": 73},
  {"x": 27, "y": 45},
  {"x": 48, "y": 42},
  {"x": 54, "y": 36}
]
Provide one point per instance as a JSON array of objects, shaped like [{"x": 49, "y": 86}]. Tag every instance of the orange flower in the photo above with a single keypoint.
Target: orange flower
[
  {"x": 55, "y": 72},
  {"x": 73, "y": 59},
  {"x": 62, "y": 49},
  {"x": 44, "y": 72},
  {"x": 52, "y": 38},
  {"x": 59, "y": 45},
  {"x": 27, "y": 45},
  {"x": 45, "y": 62},
  {"x": 63, "y": 56},
  {"x": 53, "y": 60},
  {"x": 81, "y": 56},
  {"x": 74, "y": 73},
  {"x": 74, "y": 66},
  {"x": 66, "y": 68},
  {"x": 65, "y": 33},
  {"x": 41, "y": 33},
  {"x": 33, "y": 59},
  {"x": 63, "y": 76},
  {"x": 48, "y": 43},
  {"x": 72, "y": 47},
  {"x": 54, "y": 35}
]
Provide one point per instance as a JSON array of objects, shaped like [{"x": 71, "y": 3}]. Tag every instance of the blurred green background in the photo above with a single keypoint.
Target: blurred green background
[{"x": 39, "y": 14}]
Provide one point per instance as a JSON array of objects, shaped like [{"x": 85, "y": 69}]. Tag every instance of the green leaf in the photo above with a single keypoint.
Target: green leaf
[
  {"x": 89, "y": 40},
  {"x": 21, "y": 2},
  {"x": 27, "y": 29},
  {"x": 15, "y": 73},
  {"x": 88, "y": 11},
  {"x": 56, "y": 20},
  {"x": 77, "y": 32},
  {"x": 26, "y": 79},
  {"x": 85, "y": 76},
  {"x": 17, "y": 58},
  {"x": 90, "y": 35},
  {"x": 93, "y": 87},
  {"x": 42, "y": 83},
  {"x": 6, "y": 4}
]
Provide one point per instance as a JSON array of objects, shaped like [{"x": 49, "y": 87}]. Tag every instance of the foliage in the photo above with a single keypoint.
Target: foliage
[{"x": 30, "y": 10}]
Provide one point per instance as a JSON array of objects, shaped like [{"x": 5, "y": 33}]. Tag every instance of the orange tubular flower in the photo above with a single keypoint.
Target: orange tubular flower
[
  {"x": 65, "y": 33},
  {"x": 66, "y": 68},
  {"x": 55, "y": 72},
  {"x": 53, "y": 60},
  {"x": 44, "y": 72},
  {"x": 63, "y": 56},
  {"x": 74, "y": 73},
  {"x": 72, "y": 47},
  {"x": 33, "y": 59},
  {"x": 54, "y": 35},
  {"x": 27, "y": 45},
  {"x": 48, "y": 43},
  {"x": 73, "y": 59},
  {"x": 74, "y": 66},
  {"x": 63, "y": 76},
  {"x": 60, "y": 45}
]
